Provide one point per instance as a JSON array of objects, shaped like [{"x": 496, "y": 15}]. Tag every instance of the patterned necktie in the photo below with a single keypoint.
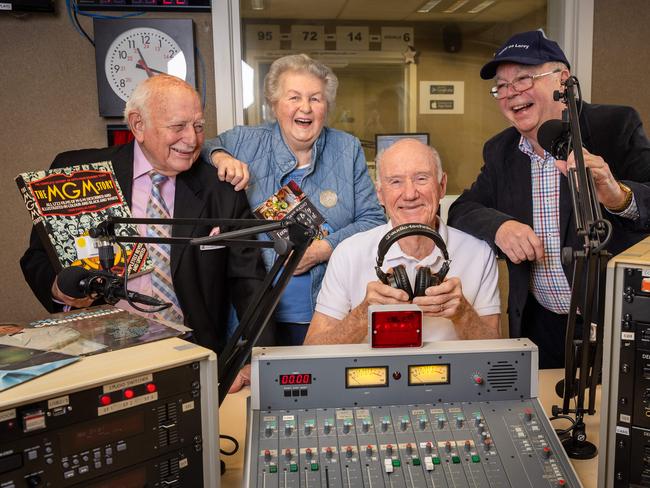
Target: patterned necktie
[{"x": 161, "y": 279}]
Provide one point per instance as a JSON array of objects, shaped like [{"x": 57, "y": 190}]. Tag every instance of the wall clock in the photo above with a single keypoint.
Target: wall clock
[{"x": 127, "y": 51}]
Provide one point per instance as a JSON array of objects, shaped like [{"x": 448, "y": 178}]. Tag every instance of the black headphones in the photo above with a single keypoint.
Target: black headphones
[{"x": 398, "y": 278}]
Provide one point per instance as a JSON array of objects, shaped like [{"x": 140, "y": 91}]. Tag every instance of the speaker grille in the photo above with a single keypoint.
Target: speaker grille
[{"x": 502, "y": 376}]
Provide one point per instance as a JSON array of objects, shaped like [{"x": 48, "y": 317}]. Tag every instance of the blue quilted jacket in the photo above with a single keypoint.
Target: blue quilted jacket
[{"x": 338, "y": 165}]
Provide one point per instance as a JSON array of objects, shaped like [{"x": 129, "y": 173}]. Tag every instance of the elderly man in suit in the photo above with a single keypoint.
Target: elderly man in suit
[{"x": 160, "y": 176}]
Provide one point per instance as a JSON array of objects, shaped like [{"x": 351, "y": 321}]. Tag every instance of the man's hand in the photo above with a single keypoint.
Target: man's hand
[
  {"x": 57, "y": 294},
  {"x": 243, "y": 379},
  {"x": 378, "y": 293},
  {"x": 519, "y": 242},
  {"x": 444, "y": 300},
  {"x": 608, "y": 191},
  {"x": 318, "y": 251},
  {"x": 447, "y": 300},
  {"x": 231, "y": 170},
  {"x": 354, "y": 327}
]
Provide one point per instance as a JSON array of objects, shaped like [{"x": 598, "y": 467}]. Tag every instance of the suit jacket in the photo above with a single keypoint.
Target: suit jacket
[
  {"x": 206, "y": 282},
  {"x": 503, "y": 191}
]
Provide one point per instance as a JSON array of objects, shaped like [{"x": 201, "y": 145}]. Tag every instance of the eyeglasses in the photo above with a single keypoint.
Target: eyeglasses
[{"x": 520, "y": 84}]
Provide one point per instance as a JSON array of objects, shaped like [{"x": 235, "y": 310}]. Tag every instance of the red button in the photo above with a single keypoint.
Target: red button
[
  {"x": 105, "y": 400},
  {"x": 128, "y": 393},
  {"x": 151, "y": 387}
]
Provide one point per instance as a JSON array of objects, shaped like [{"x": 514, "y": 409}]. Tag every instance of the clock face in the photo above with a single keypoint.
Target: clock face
[{"x": 139, "y": 53}]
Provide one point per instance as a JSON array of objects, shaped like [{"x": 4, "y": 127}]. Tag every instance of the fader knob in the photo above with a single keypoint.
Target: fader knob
[
  {"x": 487, "y": 444},
  {"x": 528, "y": 415}
]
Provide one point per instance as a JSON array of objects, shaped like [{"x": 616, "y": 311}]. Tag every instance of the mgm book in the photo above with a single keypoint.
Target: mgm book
[{"x": 65, "y": 203}]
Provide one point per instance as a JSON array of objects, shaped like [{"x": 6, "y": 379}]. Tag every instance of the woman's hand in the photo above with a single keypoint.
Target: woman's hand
[
  {"x": 317, "y": 252},
  {"x": 231, "y": 170}
]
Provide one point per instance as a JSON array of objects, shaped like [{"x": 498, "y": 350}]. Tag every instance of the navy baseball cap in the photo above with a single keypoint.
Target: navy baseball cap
[{"x": 531, "y": 48}]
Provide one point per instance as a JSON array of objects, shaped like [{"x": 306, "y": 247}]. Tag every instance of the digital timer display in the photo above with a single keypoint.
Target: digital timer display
[
  {"x": 195, "y": 5},
  {"x": 295, "y": 379}
]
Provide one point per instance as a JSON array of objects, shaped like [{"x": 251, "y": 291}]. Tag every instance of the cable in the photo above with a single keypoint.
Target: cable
[
  {"x": 560, "y": 432},
  {"x": 73, "y": 12},
  {"x": 126, "y": 283},
  {"x": 234, "y": 442},
  {"x": 76, "y": 19}
]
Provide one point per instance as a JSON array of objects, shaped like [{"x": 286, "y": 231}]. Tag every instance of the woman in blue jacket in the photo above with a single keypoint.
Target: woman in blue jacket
[{"x": 327, "y": 164}]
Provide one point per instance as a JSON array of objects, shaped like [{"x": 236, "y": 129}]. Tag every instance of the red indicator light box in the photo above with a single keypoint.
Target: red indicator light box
[{"x": 395, "y": 326}]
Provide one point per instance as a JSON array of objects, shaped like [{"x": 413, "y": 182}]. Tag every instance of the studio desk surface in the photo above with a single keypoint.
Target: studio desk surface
[{"x": 232, "y": 419}]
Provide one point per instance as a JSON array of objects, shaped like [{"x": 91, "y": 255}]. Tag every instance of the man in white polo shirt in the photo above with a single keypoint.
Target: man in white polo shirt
[{"x": 465, "y": 305}]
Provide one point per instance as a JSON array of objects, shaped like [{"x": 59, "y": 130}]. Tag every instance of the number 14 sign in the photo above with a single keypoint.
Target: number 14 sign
[{"x": 351, "y": 38}]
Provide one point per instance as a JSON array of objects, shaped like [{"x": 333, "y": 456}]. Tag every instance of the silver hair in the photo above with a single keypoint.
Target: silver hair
[
  {"x": 433, "y": 153},
  {"x": 139, "y": 101},
  {"x": 300, "y": 63}
]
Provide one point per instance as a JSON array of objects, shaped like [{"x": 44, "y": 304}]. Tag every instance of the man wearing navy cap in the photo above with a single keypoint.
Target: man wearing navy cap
[{"x": 520, "y": 201}]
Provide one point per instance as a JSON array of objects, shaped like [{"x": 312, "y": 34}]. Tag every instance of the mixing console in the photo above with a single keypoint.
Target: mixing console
[{"x": 456, "y": 414}]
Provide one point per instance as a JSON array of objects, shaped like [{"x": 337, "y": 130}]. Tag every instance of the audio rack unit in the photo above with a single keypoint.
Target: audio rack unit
[
  {"x": 625, "y": 411},
  {"x": 140, "y": 416}
]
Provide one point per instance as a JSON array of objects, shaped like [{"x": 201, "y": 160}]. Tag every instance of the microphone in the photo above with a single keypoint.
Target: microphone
[
  {"x": 555, "y": 137},
  {"x": 79, "y": 282}
]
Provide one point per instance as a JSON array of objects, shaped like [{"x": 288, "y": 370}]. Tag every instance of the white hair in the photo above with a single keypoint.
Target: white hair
[
  {"x": 432, "y": 152},
  {"x": 300, "y": 63}
]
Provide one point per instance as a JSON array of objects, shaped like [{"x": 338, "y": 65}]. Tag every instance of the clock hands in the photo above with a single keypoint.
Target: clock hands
[
  {"x": 142, "y": 64},
  {"x": 150, "y": 71}
]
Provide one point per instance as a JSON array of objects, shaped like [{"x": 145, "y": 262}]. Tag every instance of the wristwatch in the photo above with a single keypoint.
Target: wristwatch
[{"x": 628, "y": 199}]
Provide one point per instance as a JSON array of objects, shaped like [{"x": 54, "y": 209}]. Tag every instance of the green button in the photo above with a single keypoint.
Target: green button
[
  {"x": 273, "y": 468},
  {"x": 476, "y": 458},
  {"x": 435, "y": 459},
  {"x": 314, "y": 466},
  {"x": 293, "y": 467},
  {"x": 396, "y": 463},
  {"x": 455, "y": 459},
  {"x": 416, "y": 461}
]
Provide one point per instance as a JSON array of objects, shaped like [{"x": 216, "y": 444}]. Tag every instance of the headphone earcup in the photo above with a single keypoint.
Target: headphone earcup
[
  {"x": 422, "y": 281},
  {"x": 399, "y": 279}
]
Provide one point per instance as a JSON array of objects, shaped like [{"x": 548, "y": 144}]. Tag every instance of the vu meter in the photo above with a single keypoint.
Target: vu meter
[
  {"x": 429, "y": 374},
  {"x": 364, "y": 377}
]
